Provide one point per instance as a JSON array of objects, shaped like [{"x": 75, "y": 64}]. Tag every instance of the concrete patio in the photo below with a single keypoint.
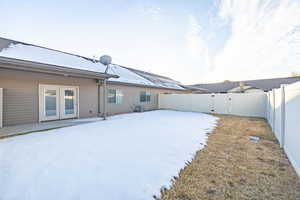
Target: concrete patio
[{"x": 27, "y": 128}]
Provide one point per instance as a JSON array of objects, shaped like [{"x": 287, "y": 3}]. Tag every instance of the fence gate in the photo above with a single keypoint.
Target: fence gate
[{"x": 221, "y": 103}]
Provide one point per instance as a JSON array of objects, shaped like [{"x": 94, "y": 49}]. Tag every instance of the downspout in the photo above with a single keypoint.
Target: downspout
[
  {"x": 102, "y": 83},
  {"x": 99, "y": 86},
  {"x": 104, "y": 99},
  {"x": 104, "y": 93}
]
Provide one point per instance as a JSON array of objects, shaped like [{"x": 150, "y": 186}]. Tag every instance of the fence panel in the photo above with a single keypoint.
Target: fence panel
[
  {"x": 268, "y": 107},
  {"x": 271, "y": 109},
  {"x": 186, "y": 102},
  {"x": 291, "y": 141},
  {"x": 250, "y": 104},
  {"x": 278, "y": 114},
  {"x": 1, "y": 107}
]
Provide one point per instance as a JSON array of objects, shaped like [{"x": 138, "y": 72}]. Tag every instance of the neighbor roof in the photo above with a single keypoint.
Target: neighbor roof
[
  {"x": 28, "y": 52},
  {"x": 264, "y": 84}
]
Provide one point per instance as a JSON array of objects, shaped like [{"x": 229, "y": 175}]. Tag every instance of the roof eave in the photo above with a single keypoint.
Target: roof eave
[
  {"x": 17, "y": 64},
  {"x": 194, "y": 88},
  {"x": 142, "y": 85}
]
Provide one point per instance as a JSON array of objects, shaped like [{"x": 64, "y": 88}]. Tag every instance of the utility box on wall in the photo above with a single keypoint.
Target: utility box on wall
[{"x": 1, "y": 107}]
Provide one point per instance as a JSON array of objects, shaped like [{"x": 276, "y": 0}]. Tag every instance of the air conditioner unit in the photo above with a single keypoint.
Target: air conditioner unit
[{"x": 139, "y": 108}]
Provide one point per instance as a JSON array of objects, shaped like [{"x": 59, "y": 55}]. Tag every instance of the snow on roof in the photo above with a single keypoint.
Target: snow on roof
[
  {"x": 163, "y": 82},
  {"x": 48, "y": 56},
  {"x": 127, "y": 76},
  {"x": 160, "y": 81},
  {"x": 33, "y": 53}
]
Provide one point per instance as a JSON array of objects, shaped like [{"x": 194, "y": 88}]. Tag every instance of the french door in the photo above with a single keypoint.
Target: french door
[{"x": 58, "y": 102}]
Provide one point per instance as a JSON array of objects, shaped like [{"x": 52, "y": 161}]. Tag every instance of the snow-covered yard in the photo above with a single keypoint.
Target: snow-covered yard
[{"x": 129, "y": 156}]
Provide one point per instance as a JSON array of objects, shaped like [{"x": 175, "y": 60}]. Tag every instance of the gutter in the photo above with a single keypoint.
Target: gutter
[
  {"x": 142, "y": 85},
  {"x": 17, "y": 64}
]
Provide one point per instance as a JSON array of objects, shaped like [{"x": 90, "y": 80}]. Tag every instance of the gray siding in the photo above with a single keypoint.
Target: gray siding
[
  {"x": 20, "y": 103},
  {"x": 131, "y": 98},
  {"x": 19, "y": 106}
]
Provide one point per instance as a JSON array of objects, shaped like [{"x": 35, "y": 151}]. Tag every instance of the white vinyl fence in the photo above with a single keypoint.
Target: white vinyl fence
[
  {"x": 281, "y": 108},
  {"x": 246, "y": 104},
  {"x": 1, "y": 107},
  {"x": 283, "y": 115}
]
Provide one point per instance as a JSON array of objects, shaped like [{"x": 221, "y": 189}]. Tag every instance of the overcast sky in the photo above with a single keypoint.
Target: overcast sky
[{"x": 193, "y": 41}]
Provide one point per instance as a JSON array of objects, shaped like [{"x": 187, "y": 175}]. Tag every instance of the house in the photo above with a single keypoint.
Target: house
[
  {"x": 261, "y": 85},
  {"x": 244, "y": 88},
  {"x": 41, "y": 84}
]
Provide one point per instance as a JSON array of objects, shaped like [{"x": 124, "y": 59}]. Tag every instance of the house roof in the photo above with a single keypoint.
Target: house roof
[
  {"x": 264, "y": 84},
  {"x": 161, "y": 81},
  {"x": 196, "y": 89},
  {"x": 20, "y": 51}
]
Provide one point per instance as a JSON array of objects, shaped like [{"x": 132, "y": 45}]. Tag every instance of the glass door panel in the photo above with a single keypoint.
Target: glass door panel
[
  {"x": 50, "y": 103},
  {"x": 68, "y": 103}
]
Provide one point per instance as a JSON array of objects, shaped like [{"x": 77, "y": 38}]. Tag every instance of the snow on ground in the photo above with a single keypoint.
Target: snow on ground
[{"x": 128, "y": 157}]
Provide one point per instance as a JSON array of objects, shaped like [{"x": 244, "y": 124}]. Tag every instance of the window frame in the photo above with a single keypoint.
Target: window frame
[
  {"x": 145, "y": 96},
  {"x": 117, "y": 96}
]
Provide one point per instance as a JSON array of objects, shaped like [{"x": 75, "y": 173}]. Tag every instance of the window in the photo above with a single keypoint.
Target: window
[
  {"x": 145, "y": 96},
  {"x": 115, "y": 96}
]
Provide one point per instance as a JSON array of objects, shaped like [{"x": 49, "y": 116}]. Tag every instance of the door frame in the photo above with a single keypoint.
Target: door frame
[
  {"x": 59, "y": 101},
  {"x": 62, "y": 105}
]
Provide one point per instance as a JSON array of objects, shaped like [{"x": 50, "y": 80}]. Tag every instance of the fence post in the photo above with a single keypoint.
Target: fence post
[
  {"x": 1, "y": 107},
  {"x": 268, "y": 107},
  {"x": 274, "y": 110},
  {"x": 282, "y": 87}
]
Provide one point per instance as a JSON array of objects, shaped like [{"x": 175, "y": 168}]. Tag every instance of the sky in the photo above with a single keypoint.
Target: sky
[{"x": 192, "y": 41}]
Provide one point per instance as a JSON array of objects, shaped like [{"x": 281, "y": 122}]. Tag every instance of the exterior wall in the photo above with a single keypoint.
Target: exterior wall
[
  {"x": 253, "y": 90},
  {"x": 20, "y": 95},
  {"x": 131, "y": 99},
  {"x": 246, "y": 90}
]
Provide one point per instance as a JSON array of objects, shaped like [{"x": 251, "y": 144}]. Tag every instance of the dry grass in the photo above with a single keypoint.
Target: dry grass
[{"x": 234, "y": 167}]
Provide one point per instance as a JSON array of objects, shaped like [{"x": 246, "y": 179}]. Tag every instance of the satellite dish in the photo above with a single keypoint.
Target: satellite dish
[{"x": 105, "y": 60}]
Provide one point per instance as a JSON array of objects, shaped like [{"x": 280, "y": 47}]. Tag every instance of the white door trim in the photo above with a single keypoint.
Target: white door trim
[
  {"x": 62, "y": 103},
  {"x": 59, "y": 102},
  {"x": 42, "y": 108}
]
